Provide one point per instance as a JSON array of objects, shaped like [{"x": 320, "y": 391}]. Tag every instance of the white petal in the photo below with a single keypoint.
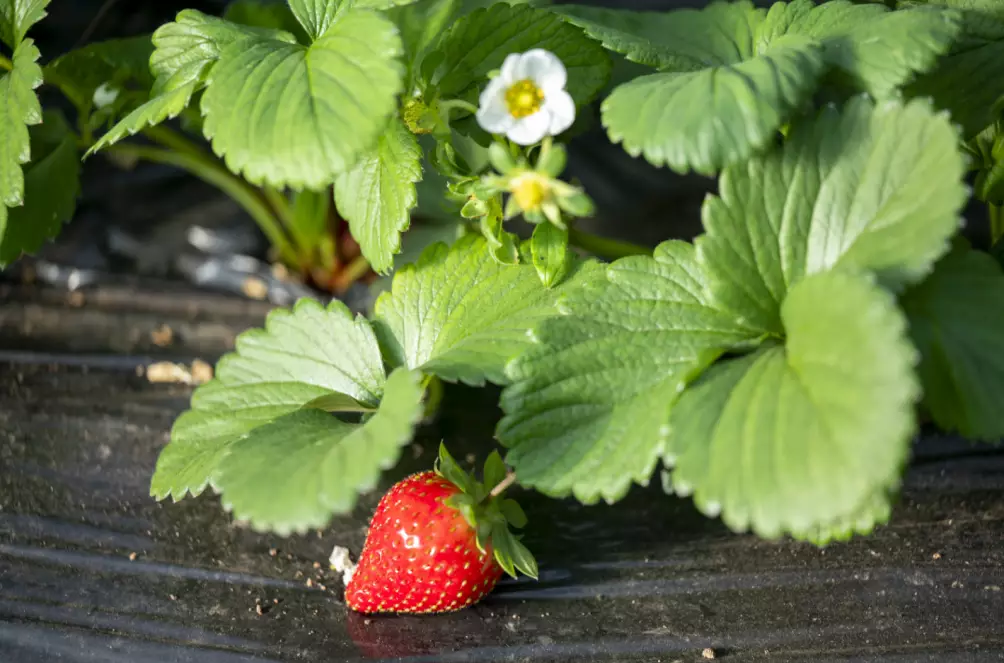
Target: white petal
[
  {"x": 509, "y": 67},
  {"x": 543, "y": 68},
  {"x": 493, "y": 93},
  {"x": 493, "y": 113},
  {"x": 495, "y": 119},
  {"x": 561, "y": 109},
  {"x": 530, "y": 129}
]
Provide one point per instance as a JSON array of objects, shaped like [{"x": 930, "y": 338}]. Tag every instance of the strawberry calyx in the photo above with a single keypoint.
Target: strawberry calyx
[{"x": 488, "y": 512}]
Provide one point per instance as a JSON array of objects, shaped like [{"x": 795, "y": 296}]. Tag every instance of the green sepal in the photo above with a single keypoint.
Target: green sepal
[
  {"x": 501, "y": 159},
  {"x": 474, "y": 208},
  {"x": 549, "y": 249},
  {"x": 494, "y": 471},
  {"x": 513, "y": 512},
  {"x": 502, "y": 245},
  {"x": 489, "y": 515},
  {"x": 577, "y": 204},
  {"x": 512, "y": 555},
  {"x": 552, "y": 159},
  {"x": 450, "y": 470}
]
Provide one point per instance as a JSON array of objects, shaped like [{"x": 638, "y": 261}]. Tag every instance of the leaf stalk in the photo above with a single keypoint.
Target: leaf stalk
[
  {"x": 996, "y": 223},
  {"x": 605, "y": 247}
]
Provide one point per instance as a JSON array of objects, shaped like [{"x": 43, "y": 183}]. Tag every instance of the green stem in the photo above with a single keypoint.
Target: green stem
[
  {"x": 280, "y": 204},
  {"x": 446, "y": 106},
  {"x": 211, "y": 173},
  {"x": 6, "y": 64},
  {"x": 355, "y": 270},
  {"x": 174, "y": 140},
  {"x": 510, "y": 477},
  {"x": 605, "y": 247},
  {"x": 996, "y": 223}
]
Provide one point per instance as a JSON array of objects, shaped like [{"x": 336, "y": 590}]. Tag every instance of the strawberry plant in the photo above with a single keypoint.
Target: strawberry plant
[{"x": 775, "y": 369}]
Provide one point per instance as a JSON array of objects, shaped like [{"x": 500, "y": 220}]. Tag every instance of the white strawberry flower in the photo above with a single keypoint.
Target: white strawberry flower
[{"x": 527, "y": 100}]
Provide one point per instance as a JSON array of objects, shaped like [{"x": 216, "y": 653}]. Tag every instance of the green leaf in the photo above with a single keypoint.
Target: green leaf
[
  {"x": 185, "y": 52},
  {"x": 706, "y": 119},
  {"x": 480, "y": 41},
  {"x": 875, "y": 49},
  {"x": 380, "y": 4},
  {"x": 468, "y": 6},
  {"x": 17, "y": 17},
  {"x": 163, "y": 107},
  {"x": 460, "y": 315},
  {"x": 377, "y": 195},
  {"x": 797, "y": 438},
  {"x": 19, "y": 108},
  {"x": 678, "y": 40},
  {"x": 312, "y": 345},
  {"x": 51, "y": 186},
  {"x": 877, "y": 188},
  {"x": 495, "y": 470},
  {"x": 220, "y": 415},
  {"x": 957, "y": 322},
  {"x": 335, "y": 402},
  {"x": 299, "y": 116},
  {"x": 420, "y": 24},
  {"x": 969, "y": 82},
  {"x": 549, "y": 248},
  {"x": 302, "y": 358},
  {"x": 270, "y": 14},
  {"x": 316, "y": 16},
  {"x": 116, "y": 61},
  {"x": 588, "y": 410},
  {"x": 293, "y": 473},
  {"x": 989, "y": 185},
  {"x": 875, "y": 510},
  {"x": 418, "y": 238},
  {"x": 187, "y": 49}
]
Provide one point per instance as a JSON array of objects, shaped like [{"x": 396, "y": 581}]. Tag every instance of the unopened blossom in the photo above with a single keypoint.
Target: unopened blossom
[{"x": 527, "y": 100}]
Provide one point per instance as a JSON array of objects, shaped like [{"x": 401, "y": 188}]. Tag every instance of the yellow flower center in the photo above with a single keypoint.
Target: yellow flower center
[
  {"x": 529, "y": 190},
  {"x": 524, "y": 98}
]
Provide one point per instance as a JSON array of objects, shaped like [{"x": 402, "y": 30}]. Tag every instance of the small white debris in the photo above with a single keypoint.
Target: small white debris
[
  {"x": 162, "y": 337},
  {"x": 341, "y": 562},
  {"x": 254, "y": 288},
  {"x": 165, "y": 371},
  {"x": 105, "y": 95},
  {"x": 201, "y": 372}
]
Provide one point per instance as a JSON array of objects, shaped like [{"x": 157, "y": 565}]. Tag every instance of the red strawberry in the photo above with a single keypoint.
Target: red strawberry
[{"x": 439, "y": 541}]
